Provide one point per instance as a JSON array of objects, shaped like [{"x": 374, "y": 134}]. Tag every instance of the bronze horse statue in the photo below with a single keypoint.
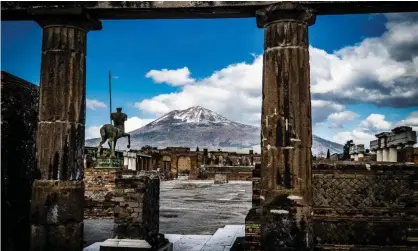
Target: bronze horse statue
[{"x": 111, "y": 133}]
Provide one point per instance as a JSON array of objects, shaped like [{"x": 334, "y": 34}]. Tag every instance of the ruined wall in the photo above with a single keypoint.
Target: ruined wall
[
  {"x": 232, "y": 172},
  {"x": 137, "y": 206},
  {"x": 370, "y": 205},
  {"x": 19, "y": 116},
  {"x": 99, "y": 193}
]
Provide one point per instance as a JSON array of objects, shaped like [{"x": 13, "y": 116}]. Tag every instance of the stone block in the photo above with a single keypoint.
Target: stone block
[
  {"x": 67, "y": 237},
  {"x": 57, "y": 202},
  {"x": 220, "y": 178}
]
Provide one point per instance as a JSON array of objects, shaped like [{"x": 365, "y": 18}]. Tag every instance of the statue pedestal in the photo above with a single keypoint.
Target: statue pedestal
[{"x": 107, "y": 162}]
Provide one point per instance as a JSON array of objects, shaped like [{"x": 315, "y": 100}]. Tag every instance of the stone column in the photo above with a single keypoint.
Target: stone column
[
  {"x": 134, "y": 160},
  {"x": 379, "y": 155},
  {"x": 385, "y": 154},
  {"x": 125, "y": 160},
  {"x": 58, "y": 197},
  {"x": 286, "y": 128},
  {"x": 393, "y": 154}
]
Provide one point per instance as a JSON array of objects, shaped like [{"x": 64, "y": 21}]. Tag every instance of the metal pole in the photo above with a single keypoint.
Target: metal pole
[{"x": 110, "y": 95}]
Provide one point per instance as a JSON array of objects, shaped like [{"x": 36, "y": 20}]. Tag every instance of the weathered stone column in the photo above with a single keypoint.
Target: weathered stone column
[
  {"x": 58, "y": 197},
  {"x": 385, "y": 154},
  {"x": 286, "y": 128},
  {"x": 379, "y": 155},
  {"x": 393, "y": 154}
]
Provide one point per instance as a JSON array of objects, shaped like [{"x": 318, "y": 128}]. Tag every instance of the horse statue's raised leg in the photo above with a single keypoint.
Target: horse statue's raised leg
[
  {"x": 103, "y": 140},
  {"x": 129, "y": 139}
]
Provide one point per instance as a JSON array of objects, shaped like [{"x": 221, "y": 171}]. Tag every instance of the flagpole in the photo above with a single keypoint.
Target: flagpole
[{"x": 110, "y": 95}]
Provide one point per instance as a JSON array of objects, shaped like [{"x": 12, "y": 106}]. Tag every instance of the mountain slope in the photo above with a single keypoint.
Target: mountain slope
[{"x": 203, "y": 128}]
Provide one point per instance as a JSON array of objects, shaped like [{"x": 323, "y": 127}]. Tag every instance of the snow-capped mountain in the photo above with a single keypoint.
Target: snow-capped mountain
[{"x": 203, "y": 128}]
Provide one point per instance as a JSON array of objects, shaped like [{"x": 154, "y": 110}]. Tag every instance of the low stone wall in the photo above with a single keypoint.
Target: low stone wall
[
  {"x": 137, "y": 206},
  {"x": 370, "y": 205},
  {"x": 232, "y": 172},
  {"x": 99, "y": 192}
]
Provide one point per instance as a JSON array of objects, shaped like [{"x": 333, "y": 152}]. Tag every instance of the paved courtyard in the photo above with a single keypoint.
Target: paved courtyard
[{"x": 190, "y": 208}]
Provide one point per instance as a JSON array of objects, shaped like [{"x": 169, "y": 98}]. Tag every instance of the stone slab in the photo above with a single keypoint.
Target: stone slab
[
  {"x": 223, "y": 237},
  {"x": 125, "y": 245},
  {"x": 105, "y": 162}
]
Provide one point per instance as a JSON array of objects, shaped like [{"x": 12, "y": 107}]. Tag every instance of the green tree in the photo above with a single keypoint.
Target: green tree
[
  {"x": 346, "y": 150},
  {"x": 328, "y": 155}
]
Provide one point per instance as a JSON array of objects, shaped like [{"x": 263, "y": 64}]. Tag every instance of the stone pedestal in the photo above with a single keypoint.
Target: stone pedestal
[
  {"x": 57, "y": 215},
  {"x": 108, "y": 163},
  {"x": 286, "y": 128}
]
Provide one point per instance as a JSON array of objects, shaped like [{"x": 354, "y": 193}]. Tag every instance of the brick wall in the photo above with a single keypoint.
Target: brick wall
[
  {"x": 19, "y": 117},
  {"x": 371, "y": 205},
  {"x": 99, "y": 192},
  {"x": 137, "y": 206}
]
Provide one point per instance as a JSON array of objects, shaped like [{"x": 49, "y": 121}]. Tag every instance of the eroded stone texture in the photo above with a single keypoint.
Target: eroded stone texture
[
  {"x": 58, "y": 198},
  {"x": 62, "y": 104},
  {"x": 365, "y": 205},
  {"x": 19, "y": 112},
  {"x": 137, "y": 206},
  {"x": 57, "y": 215},
  {"x": 286, "y": 127},
  {"x": 99, "y": 193}
]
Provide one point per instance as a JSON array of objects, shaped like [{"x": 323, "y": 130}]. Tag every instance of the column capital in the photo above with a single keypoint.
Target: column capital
[
  {"x": 68, "y": 17},
  {"x": 285, "y": 11}
]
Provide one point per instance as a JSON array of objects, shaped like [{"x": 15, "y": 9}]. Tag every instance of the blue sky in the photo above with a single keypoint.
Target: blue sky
[{"x": 217, "y": 64}]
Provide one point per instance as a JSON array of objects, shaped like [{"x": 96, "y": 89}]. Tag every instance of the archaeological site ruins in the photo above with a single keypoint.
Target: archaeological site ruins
[{"x": 51, "y": 183}]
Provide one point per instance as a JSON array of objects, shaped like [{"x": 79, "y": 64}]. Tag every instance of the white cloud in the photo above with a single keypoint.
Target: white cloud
[
  {"x": 172, "y": 77},
  {"x": 134, "y": 123},
  {"x": 94, "y": 104},
  {"x": 375, "y": 123},
  {"x": 343, "y": 116},
  {"x": 411, "y": 120},
  {"x": 381, "y": 70},
  {"x": 358, "y": 137},
  {"x": 93, "y": 132}
]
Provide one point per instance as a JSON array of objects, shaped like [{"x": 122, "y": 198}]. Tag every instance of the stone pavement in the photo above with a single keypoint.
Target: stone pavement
[{"x": 222, "y": 240}]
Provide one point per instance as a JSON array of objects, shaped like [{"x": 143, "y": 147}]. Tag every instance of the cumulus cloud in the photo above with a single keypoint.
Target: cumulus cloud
[
  {"x": 172, "y": 77},
  {"x": 134, "y": 123},
  {"x": 94, "y": 104},
  {"x": 373, "y": 124},
  {"x": 373, "y": 71},
  {"x": 131, "y": 124},
  {"x": 381, "y": 70},
  {"x": 411, "y": 120},
  {"x": 92, "y": 132}
]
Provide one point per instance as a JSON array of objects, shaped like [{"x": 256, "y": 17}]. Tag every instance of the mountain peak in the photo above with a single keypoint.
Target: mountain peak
[{"x": 194, "y": 114}]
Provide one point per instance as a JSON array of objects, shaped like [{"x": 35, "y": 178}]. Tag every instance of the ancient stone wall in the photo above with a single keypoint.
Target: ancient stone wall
[
  {"x": 99, "y": 193},
  {"x": 19, "y": 116},
  {"x": 232, "y": 172},
  {"x": 137, "y": 206},
  {"x": 369, "y": 205}
]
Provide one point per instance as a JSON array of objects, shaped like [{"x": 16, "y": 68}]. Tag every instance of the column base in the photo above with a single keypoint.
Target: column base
[
  {"x": 57, "y": 215},
  {"x": 284, "y": 226}
]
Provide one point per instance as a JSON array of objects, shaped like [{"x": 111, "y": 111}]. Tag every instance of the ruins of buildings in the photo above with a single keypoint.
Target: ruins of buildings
[
  {"x": 299, "y": 205},
  {"x": 394, "y": 145}
]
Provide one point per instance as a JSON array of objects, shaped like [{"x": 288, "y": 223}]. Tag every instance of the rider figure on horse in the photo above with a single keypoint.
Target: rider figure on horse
[
  {"x": 112, "y": 133},
  {"x": 119, "y": 119}
]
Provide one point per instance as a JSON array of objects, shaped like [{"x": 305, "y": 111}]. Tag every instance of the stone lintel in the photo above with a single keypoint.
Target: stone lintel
[
  {"x": 285, "y": 11},
  {"x": 65, "y": 17}
]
